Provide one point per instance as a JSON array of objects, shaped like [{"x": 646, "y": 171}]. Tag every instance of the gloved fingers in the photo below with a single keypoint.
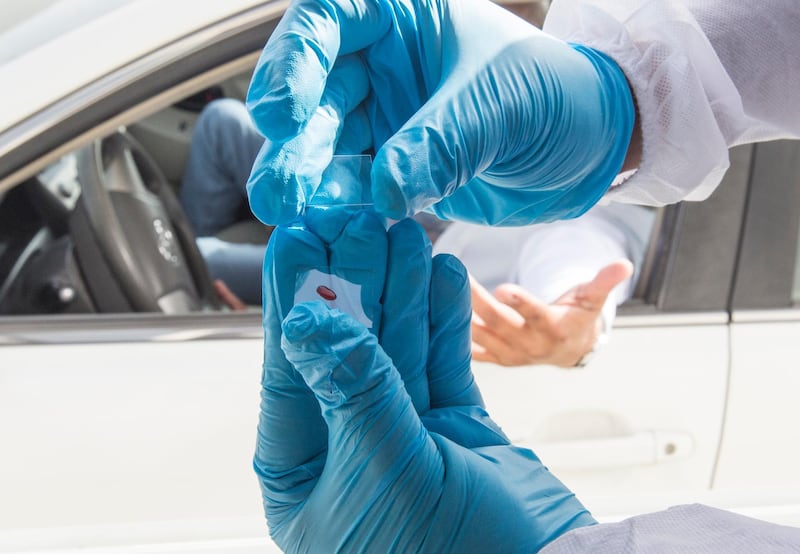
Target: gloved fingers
[
  {"x": 291, "y": 254},
  {"x": 404, "y": 327},
  {"x": 356, "y": 135},
  {"x": 502, "y": 122},
  {"x": 423, "y": 161},
  {"x": 467, "y": 426},
  {"x": 347, "y": 85},
  {"x": 487, "y": 204},
  {"x": 358, "y": 265},
  {"x": 292, "y": 436},
  {"x": 286, "y": 175},
  {"x": 562, "y": 123},
  {"x": 381, "y": 461},
  {"x": 476, "y": 120},
  {"x": 450, "y": 378},
  {"x": 290, "y": 76}
]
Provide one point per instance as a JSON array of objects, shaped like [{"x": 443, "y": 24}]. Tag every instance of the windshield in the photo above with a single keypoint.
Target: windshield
[{"x": 26, "y": 25}]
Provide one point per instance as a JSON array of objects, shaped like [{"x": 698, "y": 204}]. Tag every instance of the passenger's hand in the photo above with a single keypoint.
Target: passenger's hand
[
  {"x": 228, "y": 297},
  {"x": 460, "y": 100},
  {"x": 514, "y": 328},
  {"x": 378, "y": 441}
]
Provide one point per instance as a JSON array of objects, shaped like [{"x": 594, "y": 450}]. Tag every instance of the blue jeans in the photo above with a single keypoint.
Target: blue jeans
[
  {"x": 238, "y": 265},
  {"x": 224, "y": 146}
]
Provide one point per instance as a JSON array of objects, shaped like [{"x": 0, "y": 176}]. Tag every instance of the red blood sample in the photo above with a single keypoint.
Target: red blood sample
[{"x": 326, "y": 292}]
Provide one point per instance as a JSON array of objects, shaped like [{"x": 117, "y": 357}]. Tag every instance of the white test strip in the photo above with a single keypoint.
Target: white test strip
[{"x": 334, "y": 291}]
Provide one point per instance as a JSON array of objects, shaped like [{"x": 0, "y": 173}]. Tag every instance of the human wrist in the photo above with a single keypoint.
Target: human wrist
[{"x": 600, "y": 338}]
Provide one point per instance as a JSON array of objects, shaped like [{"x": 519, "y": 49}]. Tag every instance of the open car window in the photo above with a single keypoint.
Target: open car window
[
  {"x": 77, "y": 236},
  {"x": 136, "y": 126}
]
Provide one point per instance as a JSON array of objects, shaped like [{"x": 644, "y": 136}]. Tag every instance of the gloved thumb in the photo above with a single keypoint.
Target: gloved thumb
[
  {"x": 381, "y": 461},
  {"x": 353, "y": 379},
  {"x": 334, "y": 353},
  {"x": 478, "y": 121},
  {"x": 428, "y": 158}
]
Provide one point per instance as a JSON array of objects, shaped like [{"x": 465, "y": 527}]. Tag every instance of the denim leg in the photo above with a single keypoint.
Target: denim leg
[
  {"x": 224, "y": 146},
  {"x": 237, "y": 264}
]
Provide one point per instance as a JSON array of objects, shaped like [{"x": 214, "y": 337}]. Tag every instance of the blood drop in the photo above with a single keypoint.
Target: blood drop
[{"x": 326, "y": 292}]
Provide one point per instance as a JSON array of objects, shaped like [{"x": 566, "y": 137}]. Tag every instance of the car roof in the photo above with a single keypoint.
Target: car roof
[{"x": 56, "y": 48}]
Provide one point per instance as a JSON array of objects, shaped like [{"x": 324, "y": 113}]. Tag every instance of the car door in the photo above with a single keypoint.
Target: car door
[
  {"x": 130, "y": 431},
  {"x": 639, "y": 429},
  {"x": 760, "y": 452}
]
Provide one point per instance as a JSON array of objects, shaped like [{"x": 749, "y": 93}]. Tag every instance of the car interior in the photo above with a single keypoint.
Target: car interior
[{"x": 101, "y": 230}]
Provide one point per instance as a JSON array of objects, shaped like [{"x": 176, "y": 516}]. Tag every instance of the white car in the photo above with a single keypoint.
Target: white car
[{"x": 129, "y": 398}]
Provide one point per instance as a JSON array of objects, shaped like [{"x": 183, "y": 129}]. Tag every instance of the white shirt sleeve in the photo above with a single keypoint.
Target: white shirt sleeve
[
  {"x": 706, "y": 75},
  {"x": 550, "y": 259},
  {"x": 560, "y": 255}
]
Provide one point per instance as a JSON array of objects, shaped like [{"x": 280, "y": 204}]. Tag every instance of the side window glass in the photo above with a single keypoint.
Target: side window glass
[{"x": 114, "y": 228}]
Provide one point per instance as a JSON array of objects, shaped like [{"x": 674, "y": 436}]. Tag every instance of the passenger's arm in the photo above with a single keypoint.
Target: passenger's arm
[{"x": 514, "y": 328}]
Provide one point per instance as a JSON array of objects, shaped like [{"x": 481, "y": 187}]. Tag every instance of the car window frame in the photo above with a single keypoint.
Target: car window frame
[
  {"x": 765, "y": 273},
  {"x": 139, "y": 88},
  {"x": 690, "y": 265},
  {"x": 143, "y": 87}
]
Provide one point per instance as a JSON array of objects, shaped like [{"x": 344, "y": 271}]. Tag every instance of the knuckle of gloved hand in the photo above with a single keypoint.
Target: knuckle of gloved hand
[{"x": 339, "y": 370}]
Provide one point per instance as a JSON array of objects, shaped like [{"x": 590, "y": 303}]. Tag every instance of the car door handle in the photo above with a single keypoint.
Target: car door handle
[{"x": 637, "y": 449}]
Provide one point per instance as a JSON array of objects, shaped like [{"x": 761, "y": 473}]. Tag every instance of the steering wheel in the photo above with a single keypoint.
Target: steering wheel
[{"x": 141, "y": 230}]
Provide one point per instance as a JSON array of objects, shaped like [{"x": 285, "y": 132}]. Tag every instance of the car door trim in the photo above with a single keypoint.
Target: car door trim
[
  {"x": 766, "y": 316},
  {"x": 105, "y": 328},
  {"x": 686, "y": 319}
]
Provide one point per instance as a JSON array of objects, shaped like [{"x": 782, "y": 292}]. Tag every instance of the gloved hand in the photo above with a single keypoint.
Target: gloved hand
[
  {"x": 472, "y": 113},
  {"x": 377, "y": 440}
]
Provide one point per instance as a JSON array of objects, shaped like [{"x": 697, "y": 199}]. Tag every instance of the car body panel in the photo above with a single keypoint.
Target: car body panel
[
  {"x": 641, "y": 418},
  {"x": 127, "y": 33},
  {"x": 761, "y": 449},
  {"x": 129, "y": 439}
]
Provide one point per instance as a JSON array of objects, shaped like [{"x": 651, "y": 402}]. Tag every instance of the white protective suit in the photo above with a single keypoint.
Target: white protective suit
[{"x": 706, "y": 75}]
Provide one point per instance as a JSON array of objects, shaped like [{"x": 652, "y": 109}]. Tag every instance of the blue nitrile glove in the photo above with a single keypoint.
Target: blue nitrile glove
[
  {"x": 393, "y": 450},
  {"x": 460, "y": 99}
]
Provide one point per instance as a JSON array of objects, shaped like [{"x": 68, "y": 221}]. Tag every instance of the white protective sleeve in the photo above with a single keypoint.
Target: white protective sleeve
[
  {"x": 706, "y": 74},
  {"x": 686, "y": 528}
]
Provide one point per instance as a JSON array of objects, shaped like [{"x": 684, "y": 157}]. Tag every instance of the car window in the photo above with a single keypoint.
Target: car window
[
  {"x": 66, "y": 233},
  {"x": 766, "y": 273}
]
